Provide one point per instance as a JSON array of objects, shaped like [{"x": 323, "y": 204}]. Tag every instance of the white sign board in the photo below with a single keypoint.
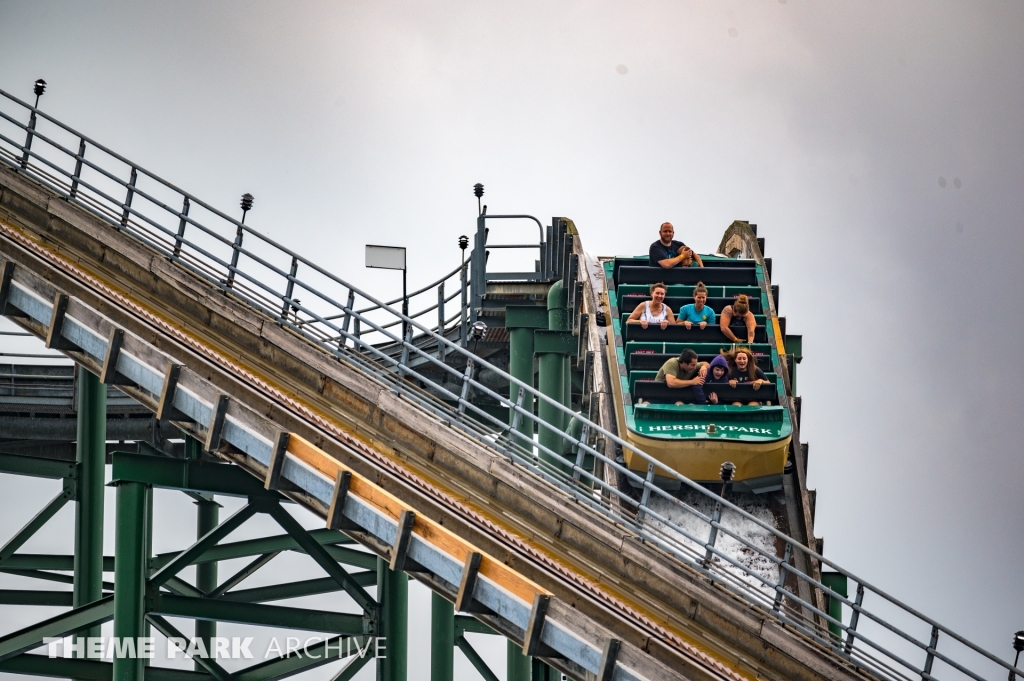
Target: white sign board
[{"x": 385, "y": 257}]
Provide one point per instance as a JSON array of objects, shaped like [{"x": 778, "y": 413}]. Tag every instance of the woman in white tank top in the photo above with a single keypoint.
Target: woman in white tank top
[{"x": 653, "y": 311}]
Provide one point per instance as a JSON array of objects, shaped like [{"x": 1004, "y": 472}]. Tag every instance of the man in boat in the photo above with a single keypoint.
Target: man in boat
[
  {"x": 685, "y": 371},
  {"x": 667, "y": 252}
]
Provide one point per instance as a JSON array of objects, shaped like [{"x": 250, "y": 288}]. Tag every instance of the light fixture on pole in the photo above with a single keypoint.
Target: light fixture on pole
[
  {"x": 726, "y": 473},
  {"x": 391, "y": 258},
  {"x": 246, "y": 204},
  {"x": 39, "y": 89},
  {"x": 478, "y": 192},
  {"x": 477, "y": 332},
  {"x": 1018, "y": 645}
]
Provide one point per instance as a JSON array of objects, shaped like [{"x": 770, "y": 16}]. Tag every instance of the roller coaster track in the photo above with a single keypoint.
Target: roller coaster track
[{"x": 201, "y": 322}]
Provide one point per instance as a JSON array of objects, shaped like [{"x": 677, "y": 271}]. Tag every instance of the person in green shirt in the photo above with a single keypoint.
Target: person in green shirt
[{"x": 685, "y": 371}]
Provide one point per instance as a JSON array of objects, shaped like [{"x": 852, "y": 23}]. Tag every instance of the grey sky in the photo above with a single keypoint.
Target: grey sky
[{"x": 879, "y": 147}]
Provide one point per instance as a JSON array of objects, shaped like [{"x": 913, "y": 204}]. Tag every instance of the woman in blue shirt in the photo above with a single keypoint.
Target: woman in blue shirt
[{"x": 697, "y": 312}]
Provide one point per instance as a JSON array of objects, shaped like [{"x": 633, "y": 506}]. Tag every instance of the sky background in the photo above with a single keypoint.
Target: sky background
[{"x": 879, "y": 148}]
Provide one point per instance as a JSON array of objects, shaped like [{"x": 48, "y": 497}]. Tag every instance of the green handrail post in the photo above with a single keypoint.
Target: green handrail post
[
  {"x": 442, "y": 638},
  {"x": 129, "y": 577},
  {"x": 91, "y": 459},
  {"x": 393, "y": 630}
]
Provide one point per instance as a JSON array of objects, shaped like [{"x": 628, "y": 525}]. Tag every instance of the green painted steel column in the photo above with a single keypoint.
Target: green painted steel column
[
  {"x": 550, "y": 379},
  {"x": 442, "y": 639},
  {"x": 207, "y": 518},
  {"x": 91, "y": 456},
  {"x": 553, "y": 348},
  {"x": 521, "y": 321},
  {"x": 517, "y": 665},
  {"x": 129, "y": 575},
  {"x": 393, "y": 596},
  {"x": 559, "y": 320}
]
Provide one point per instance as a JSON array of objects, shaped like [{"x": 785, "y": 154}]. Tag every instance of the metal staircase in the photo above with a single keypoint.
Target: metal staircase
[{"x": 285, "y": 371}]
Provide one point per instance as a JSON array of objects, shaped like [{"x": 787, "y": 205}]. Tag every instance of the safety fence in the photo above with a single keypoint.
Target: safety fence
[{"x": 702, "y": 530}]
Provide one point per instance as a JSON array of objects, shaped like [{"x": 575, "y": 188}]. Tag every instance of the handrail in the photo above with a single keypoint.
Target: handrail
[
  {"x": 540, "y": 227},
  {"x": 246, "y": 281}
]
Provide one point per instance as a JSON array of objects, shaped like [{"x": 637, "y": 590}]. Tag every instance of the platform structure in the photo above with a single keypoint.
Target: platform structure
[{"x": 287, "y": 384}]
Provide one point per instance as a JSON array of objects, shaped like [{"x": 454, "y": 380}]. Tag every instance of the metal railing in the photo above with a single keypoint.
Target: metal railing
[{"x": 882, "y": 635}]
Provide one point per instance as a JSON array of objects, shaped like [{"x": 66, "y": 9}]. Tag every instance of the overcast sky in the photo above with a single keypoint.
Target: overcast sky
[{"x": 879, "y": 147}]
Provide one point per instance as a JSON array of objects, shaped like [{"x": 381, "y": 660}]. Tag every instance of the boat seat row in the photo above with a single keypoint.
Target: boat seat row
[
  {"x": 711, "y": 276},
  {"x": 658, "y": 392},
  {"x": 677, "y": 333},
  {"x": 652, "y": 361},
  {"x": 709, "y": 263},
  {"x": 644, "y": 375},
  {"x": 628, "y": 303}
]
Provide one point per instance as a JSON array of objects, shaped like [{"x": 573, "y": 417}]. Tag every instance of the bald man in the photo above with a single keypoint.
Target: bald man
[{"x": 669, "y": 253}]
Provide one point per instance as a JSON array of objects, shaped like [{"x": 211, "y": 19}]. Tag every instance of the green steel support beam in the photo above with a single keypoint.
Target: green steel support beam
[
  {"x": 257, "y": 614},
  {"x": 323, "y": 558},
  {"x": 88, "y": 670},
  {"x": 243, "y": 574},
  {"x": 517, "y": 665},
  {"x": 281, "y": 542},
  {"x": 51, "y": 577},
  {"x": 34, "y": 597},
  {"x": 207, "y": 663},
  {"x": 207, "y": 519},
  {"x": 315, "y": 656},
  {"x": 41, "y": 518},
  {"x": 17, "y": 464},
  {"x": 91, "y": 460},
  {"x": 182, "y": 588},
  {"x": 189, "y": 555},
  {"x": 95, "y": 613},
  {"x": 442, "y": 638},
  {"x": 130, "y": 574},
  {"x": 351, "y": 669},
  {"x": 43, "y": 561},
  {"x": 306, "y": 587},
  {"x": 467, "y": 624},
  {"x": 393, "y": 595},
  {"x": 475, "y": 659},
  {"x": 188, "y": 475}
]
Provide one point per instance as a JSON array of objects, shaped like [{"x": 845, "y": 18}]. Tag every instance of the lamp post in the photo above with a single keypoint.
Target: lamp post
[
  {"x": 478, "y": 330},
  {"x": 39, "y": 89},
  {"x": 1018, "y": 645},
  {"x": 478, "y": 192},
  {"x": 247, "y": 199},
  {"x": 726, "y": 473},
  {"x": 391, "y": 258}
]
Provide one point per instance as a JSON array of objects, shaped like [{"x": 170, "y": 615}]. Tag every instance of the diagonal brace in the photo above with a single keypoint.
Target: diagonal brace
[
  {"x": 475, "y": 659},
  {"x": 31, "y": 637},
  {"x": 357, "y": 662},
  {"x": 243, "y": 574},
  {"x": 185, "y": 558},
  {"x": 41, "y": 518},
  {"x": 168, "y": 630},
  {"x": 320, "y": 555},
  {"x": 302, "y": 660}
]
